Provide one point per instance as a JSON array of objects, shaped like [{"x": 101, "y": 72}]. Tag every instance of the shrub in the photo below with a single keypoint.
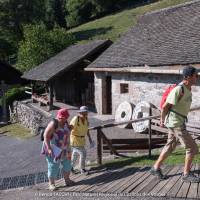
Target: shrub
[{"x": 15, "y": 94}]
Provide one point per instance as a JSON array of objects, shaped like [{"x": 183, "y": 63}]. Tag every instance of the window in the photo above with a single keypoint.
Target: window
[{"x": 123, "y": 88}]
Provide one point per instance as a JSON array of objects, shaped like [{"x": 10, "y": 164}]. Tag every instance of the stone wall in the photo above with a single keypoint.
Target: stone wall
[
  {"x": 142, "y": 87},
  {"x": 29, "y": 116}
]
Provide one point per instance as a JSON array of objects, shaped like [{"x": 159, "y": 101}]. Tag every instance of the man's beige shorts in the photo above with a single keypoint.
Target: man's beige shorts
[{"x": 186, "y": 140}]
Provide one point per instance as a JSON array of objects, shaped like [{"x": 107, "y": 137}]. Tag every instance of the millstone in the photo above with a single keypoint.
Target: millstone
[
  {"x": 124, "y": 113},
  {"x": 141, "y": 110}
]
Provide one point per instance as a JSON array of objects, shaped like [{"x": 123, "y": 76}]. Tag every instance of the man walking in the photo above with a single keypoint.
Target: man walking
[{"x": 173, "y": 116}]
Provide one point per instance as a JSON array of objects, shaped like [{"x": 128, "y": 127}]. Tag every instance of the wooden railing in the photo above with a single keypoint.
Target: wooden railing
[
  {"x": 101, "y": 136},
  {"x": 153, "y": 126}
]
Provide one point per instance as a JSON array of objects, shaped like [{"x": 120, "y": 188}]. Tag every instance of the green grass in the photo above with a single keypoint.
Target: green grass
[
  {"x": 16, "y": 130},
  {"x": 113, "y": 26},
  {"x": 177, "y": 157}
]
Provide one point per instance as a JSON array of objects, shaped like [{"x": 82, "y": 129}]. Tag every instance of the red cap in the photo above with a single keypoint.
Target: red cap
[{"x": 62, "y": 113}]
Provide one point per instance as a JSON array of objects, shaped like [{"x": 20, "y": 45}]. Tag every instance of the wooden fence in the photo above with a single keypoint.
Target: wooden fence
[{"x": 135, "y": 143}]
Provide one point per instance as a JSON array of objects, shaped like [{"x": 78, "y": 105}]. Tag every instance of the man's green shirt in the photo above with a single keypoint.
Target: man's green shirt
[{"x": 181, "y": 106}]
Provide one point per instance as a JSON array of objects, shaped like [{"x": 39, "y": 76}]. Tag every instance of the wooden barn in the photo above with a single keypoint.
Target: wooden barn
[
  {"x": 149, "y": 57},
  {"x": 9, "y": 74},
  {"x": 65, "y": 76}
]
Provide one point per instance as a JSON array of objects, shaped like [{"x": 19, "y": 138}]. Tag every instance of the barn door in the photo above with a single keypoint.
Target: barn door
[{"x": 106, "y": 95}]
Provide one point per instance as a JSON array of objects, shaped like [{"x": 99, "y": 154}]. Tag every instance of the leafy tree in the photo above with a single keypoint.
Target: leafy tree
[
  {"x": 13, "y": 15},
  {"x": 60, "y": 13},
  {"x": 16, "y": 13},
  {"x": 79, "y": 11},
  {"x": 39, "y": 44},
  {"x": 55, "y": 13}
]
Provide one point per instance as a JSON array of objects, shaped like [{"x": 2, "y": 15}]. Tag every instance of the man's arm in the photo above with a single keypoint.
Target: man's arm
[
  {"x": 89, "y": 137},
  {"x": 164, "y": 112}
]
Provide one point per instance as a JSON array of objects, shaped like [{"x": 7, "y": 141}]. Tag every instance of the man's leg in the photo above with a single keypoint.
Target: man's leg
[
  {"x": 82, "y": 157},
  {"x": 191, "y": 150},
  {"x": 74, "y": 157},
  {"x": 188, "y": 163},
  {"x": 168, "y": 148},
  {"x": 163, "y": 155}
]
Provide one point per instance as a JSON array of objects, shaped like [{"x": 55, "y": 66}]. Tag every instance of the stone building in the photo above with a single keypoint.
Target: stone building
[{"x": 149, "y": 57}]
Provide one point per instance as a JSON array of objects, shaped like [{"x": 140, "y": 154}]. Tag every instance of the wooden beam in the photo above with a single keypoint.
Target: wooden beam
[
  {"x": 150, "y": 132},
  {"x": 135, "y": 140},
  {"x": 4, "y": 105},
  {"x": 125, "y": 122},
  {"x": 29, "y": 88},
  {"x": 99, "y": 147},
  {"x": 27, "y": 92},
  {"x": 50, "y": 96},
  {"x": 107, "y": 141}
]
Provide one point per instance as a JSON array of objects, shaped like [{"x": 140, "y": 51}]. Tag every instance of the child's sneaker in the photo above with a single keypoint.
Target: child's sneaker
[
  {"x": 52, "y": 187},
  {"x": 73, "y": 171}
]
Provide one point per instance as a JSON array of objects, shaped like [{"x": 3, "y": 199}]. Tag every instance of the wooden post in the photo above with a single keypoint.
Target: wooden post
[
  {"x": 99, "y": 147},
  {"x": 50, "y": 96},
  {"x": 112, "y": 149},
  {"x": 150, "y": 132},
  {"x": 4, "y": 107}
]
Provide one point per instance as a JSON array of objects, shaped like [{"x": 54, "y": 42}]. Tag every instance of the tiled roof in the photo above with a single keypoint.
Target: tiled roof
[
  {"x": 65, "y": 60},
  {"x": 9, "y": 74},
  {"x": 166, "y": 37}
]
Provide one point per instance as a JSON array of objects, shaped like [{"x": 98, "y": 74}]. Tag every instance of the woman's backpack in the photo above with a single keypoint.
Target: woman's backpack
[{"x": 42, "y": 129}]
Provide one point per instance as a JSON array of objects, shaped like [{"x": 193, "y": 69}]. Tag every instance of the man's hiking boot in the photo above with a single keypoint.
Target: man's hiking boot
[
  {"x": 190, "y": 178},
  {"x": 158, "y": 173}
]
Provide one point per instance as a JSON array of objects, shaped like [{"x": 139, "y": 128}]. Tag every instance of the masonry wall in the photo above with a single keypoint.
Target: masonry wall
[
  {"x": 142, "y": 87},
  {"x": 29, "y": 116}
]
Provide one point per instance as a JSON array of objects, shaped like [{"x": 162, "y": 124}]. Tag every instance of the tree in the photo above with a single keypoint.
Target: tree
[
  {"x": 13, "y": 15},
  {"x": 39, "y": 44},
  {"x": 79, "y": 11},
  {"x": 55, "y": 13}
]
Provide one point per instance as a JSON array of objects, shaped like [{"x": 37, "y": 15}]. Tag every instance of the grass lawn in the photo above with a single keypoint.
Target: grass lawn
[
  {"x": 113, "y": 26},
  {"x": 16, "y": 130},
  {"x": 177, "y": 157}
]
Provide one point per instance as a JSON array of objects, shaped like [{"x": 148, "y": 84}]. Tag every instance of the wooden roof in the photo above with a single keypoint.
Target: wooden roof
[
  {"x": 9, "y": 74},
  {"x": 65, "y": 60},
  {"x": 166, "y": 37}
]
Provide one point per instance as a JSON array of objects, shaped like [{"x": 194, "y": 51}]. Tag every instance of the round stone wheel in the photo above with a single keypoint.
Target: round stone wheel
[
  {"x": 124, "y": 113},
  {"x": 141, "y": 110}
]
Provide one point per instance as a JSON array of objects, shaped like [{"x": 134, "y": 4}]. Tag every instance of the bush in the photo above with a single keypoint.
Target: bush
[{"x": 15, "y": 94}]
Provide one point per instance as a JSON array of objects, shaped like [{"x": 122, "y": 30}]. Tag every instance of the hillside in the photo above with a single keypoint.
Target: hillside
[{"x": 112, "y": 26}]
